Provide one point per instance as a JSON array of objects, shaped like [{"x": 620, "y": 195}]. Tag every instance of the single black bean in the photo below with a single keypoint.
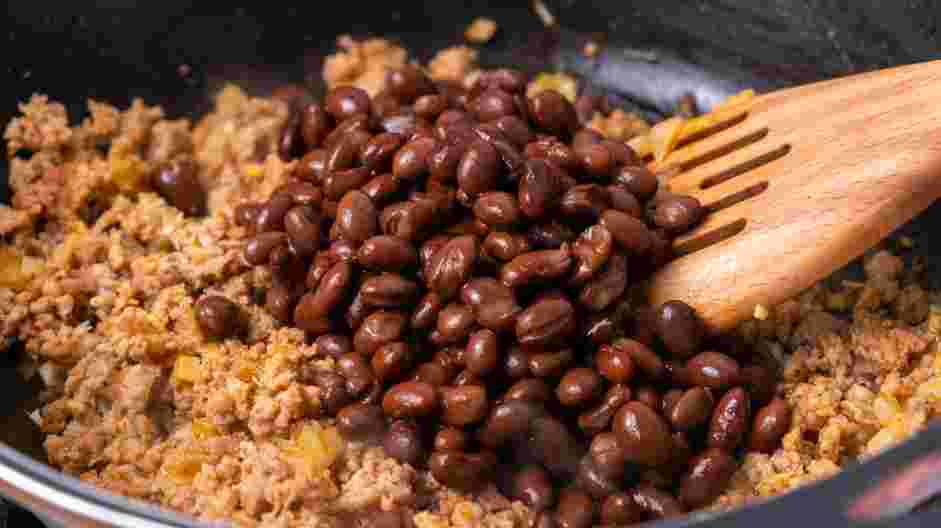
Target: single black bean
[
  {"x": 379, "y": 328},
  {"x": 359, "y": 421},
  {"x": 334, "y": 345},
  {"x": 771, "y": 423},
  {"x": 678, "y": 214},
  {"x": 608, "y": 286},
  {"x": 644, "y": 435},
  {"x": 712, "y": 369},
  {"x": 730, "y": 420},
  {"x": 680, "y": 329},
  {"x": 638, "y": 179},
  {"x": 709, "y": 474},
  {"x": 403, "y": 442},
  {"x": 463, "y": 405},
  {"x": 461, "y": 470},
  {"x": 482, "y": 354},
  {"x": 629, "y": 232},
  {"x": 392, "y": 361},
  {"x": 553, "y": 113},
  {"x": 218, "y": 317},
  {"x": 578, "y": 387},
  {"x": 347, "y": 101},
  {"x": 692, "y": 409},
  {"x": 410, "y": 399},
  {"x": 452, "y": 265}
]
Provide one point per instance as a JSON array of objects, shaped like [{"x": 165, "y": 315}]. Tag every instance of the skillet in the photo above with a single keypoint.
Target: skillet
[{"x": 655, "y": 51}]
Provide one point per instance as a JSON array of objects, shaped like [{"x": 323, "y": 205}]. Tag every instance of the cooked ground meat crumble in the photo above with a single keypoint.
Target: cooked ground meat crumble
[{"x": 100, "y": 276}]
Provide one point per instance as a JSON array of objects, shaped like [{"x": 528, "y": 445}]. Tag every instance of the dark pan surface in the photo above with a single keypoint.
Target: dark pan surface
[{"x": 656, "y": 51}]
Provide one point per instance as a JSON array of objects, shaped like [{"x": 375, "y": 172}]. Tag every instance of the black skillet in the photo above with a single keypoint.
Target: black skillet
[{"x": 655, "y": 51}]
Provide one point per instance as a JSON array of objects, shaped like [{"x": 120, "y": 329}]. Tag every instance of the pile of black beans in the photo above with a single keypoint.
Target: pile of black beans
[{"x": 467, "y": 257}]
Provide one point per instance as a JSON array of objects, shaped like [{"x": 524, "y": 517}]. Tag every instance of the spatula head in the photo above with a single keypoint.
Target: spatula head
[{"x": 800, "y": 182}]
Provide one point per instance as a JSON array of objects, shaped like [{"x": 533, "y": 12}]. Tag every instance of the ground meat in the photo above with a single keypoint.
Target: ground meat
[
  {"x": 362, "y": 63},
  {"x": 453, "y": 64},
  {"x": 43, "y": 125},
  {"x": 856, "y": 387}
]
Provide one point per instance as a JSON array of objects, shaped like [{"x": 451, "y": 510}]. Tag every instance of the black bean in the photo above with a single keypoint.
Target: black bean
[
  {"x": 644, "y": 435},
  {"x": 218, "y": 317},
  {"x": 347, "y": 101},
  {"x": 403, "y": 442}
]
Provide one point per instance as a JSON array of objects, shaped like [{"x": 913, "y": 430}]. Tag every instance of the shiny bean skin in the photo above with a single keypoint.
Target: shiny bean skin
[
  {"x": 356, "y": 217},
  {"x": 679, "y": 214},
  {"x": 478, "y": 170},
  {"x": 387, "y": 253},
  {"x": 379, "y": 328},
  {"x": 455, "y": 322},
  {"x": 730, "y": 420},
  {"x": 482, "y": 354},
  {"x": 533, "y": 486},
  {"x": 578, "y": 386},
  {"x": 596, "y": 419},
  {"x": 359, "y": 421},
  {"x": 330, "y": 291},
  {"x": 656, "y": 503},
  {"x": 463, "y": 405},
  {"x": 452, "y": 265},
  {"x": 550, "y": 364},
  {"x": 544, "y": 265},
  {"x": 712, "y": 369},
  {"x": 529, "y": 389},
  {"x": 608, "y": 454},
  {"x": 643, "y": 357},
  {"x": 620, "y": 510},
  {"x": 679, "y": 328},
  {"x": 644, "y": 435},
  {"x": 623, "y": 200},
  {"x": 506, "y": 420},
  {"x": 451, "y": 439},
  {"x": 630, "y": 233},
  {"x": 709, "y": 474},
  {"x": 403, "y": 442},
  {"x": 302, "y": 224},
  {"x": 546, "y": 322},
  {"x": 461, "y": 470},
  {"x": 607, "y": 286},
  {"x": 638, "y": 180},
  {"x": 392, "y": 361},
  {"x": 539, "y": 189},
  {"x": 410, "y": 399},
  {"x": 426, "y": 311},
  {"x": 771, "y": 423},
  {"x": 591, "y": 479},
  {"x": 692, "y": 409},
  {"x": 388, "y": 290},
  {"x": 497, "y": 209}
]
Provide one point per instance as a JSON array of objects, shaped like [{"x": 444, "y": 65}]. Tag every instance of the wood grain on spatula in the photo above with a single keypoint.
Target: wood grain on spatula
[{"x": 810, "y": 179}]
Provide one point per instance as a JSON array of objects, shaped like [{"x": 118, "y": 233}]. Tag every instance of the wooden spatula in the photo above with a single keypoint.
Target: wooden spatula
[{"x": 798, "y": 183}]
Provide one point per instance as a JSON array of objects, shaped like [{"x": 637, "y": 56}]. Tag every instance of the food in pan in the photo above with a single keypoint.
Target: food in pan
[{"x": 419, "y": 302}]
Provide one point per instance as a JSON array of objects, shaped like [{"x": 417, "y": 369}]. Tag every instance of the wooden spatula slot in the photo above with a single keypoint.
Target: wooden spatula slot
[
  {"x": 705, "y": 155},
  {"x": 714, "y": 236},
  {"x": 733, "y": 119},
  {"x": 745, "y": 166},
  {"x": 740, "y": 196}
]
